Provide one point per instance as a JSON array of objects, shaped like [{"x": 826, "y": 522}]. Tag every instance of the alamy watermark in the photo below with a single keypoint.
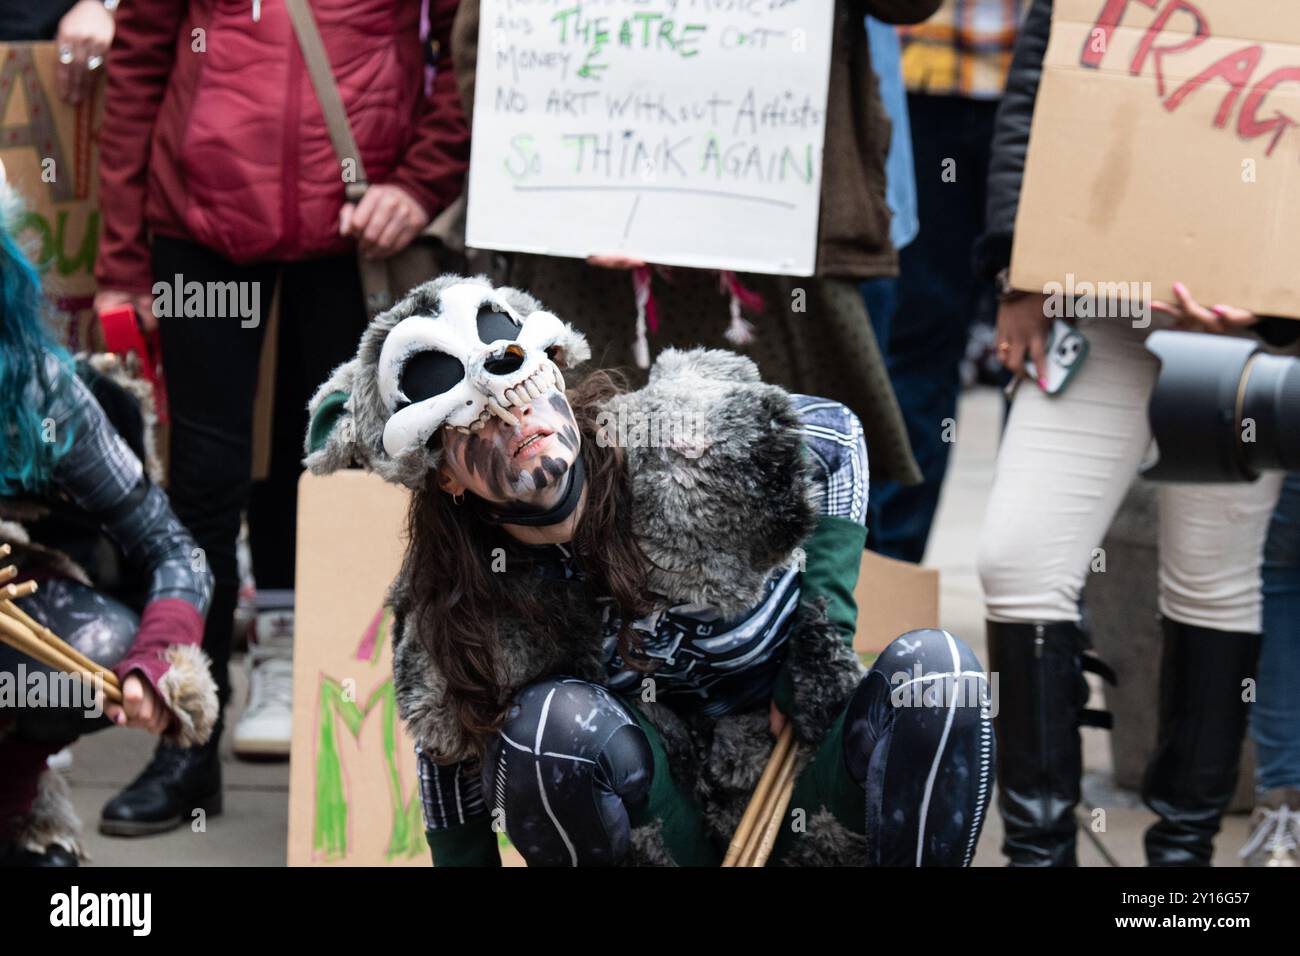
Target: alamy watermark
[
  {"x": 209, "y": 300},
  {"x": 22, "y": 689},
  {"x": 1098, "y": 300},
  {"x": 972, "y": 689},
  {"x": 133, "y": 911},
  {"x": 685, "y": 432}
]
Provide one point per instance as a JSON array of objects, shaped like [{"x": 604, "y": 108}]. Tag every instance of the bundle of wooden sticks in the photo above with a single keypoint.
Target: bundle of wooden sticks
[
  {"x": 20, "y": 631},
  {"x": 761, "y": 823}
]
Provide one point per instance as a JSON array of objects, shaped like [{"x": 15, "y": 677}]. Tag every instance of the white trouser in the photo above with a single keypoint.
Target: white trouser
[{"x": 1064, "y": 467}]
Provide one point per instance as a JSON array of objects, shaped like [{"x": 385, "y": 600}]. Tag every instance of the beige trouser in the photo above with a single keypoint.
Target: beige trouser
[{"x": 1064, "y": 467}]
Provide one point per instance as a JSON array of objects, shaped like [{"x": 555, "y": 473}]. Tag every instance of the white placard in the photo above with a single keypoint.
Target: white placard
[{"x": 682, "y": 132}]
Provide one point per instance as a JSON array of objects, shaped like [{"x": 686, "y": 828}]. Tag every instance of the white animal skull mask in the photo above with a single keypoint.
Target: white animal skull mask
[
  {"x": 453, "y": 352},
  {"x": 475, "y": 358}
]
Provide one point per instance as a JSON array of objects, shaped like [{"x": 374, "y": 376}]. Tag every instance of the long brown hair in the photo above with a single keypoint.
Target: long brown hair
[{"x": 458, "y": 598}]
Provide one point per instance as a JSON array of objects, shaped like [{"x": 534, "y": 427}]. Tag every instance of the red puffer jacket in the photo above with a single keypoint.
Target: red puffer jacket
[{"x": 212, "y": 132}]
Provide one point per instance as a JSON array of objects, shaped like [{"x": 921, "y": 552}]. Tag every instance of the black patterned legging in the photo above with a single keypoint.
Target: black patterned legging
[
  {"x": 909, "y": 764},
  {"x": 93, "y": 623}
]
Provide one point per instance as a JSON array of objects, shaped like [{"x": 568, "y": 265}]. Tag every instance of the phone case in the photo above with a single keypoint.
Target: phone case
[{"x": 1066, "y": 350}]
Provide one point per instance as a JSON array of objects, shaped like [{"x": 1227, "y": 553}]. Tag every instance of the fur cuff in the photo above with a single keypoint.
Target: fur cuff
[
  {"x": 647, "y": 847},
  {"x": 824, "y": 673},
  {"x": 51, "y": 819},
  {"x": 191, "y": 694},
  {"x": 827, "y": 842}
]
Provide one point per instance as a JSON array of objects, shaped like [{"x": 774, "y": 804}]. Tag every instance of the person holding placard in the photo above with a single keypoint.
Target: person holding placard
[{"x": 1065, "y": 464}]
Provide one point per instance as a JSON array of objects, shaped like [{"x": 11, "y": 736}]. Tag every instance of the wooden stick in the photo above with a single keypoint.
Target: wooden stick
[
  {"x": 19, "y": 637},
  {"x": 4, "y": 550},
  {"x": 769, "y": 807},
  {"x": 740, "y": 842},
  {"x": 784, "y": 790},
  {"x": 11, "y": 592},
  {"x": 49, "y": 637},
  {"x": 8, "y": 573}
]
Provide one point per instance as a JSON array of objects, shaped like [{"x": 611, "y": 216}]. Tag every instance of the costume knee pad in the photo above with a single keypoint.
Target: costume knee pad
[
  {"x": 563, "y": 771},
  {"x": 920, "y": 670},
  {"x": 918, "y": 738}
]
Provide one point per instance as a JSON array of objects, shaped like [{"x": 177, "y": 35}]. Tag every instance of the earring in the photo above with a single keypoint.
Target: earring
[{"x": 458, "y": 498}]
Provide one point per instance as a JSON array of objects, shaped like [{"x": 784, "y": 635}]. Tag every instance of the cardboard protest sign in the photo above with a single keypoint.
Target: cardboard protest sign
[
  {"x": 354, "y": 797},
  {"x": 893, "y": 597},
  {"x": 50, "y": 151},
  {"x": 1166, "y": 147},
  {"x": 689, "y": 135}
]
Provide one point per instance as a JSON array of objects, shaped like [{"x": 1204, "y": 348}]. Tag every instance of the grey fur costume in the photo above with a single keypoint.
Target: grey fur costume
[{"x": 714, "y": 518}]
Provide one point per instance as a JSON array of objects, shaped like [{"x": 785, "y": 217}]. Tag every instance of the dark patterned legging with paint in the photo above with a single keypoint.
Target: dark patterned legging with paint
[
  {"x": 909, "y": 764},
  {"x": 95, "y": 624}
]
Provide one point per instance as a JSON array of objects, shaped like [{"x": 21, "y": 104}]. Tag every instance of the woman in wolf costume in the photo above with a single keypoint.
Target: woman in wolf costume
[
  {"x": 610, "y": 598},
  {"x": 116, "y": 573}
]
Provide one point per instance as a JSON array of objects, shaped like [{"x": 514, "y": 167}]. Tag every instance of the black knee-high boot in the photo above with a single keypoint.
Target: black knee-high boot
[
  {"x": 1041, "y": 693},
  {"x": 1203, "y": 712}
]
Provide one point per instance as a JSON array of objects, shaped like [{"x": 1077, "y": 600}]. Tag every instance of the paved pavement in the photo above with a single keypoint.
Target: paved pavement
[{"x": 253, "y": 829}]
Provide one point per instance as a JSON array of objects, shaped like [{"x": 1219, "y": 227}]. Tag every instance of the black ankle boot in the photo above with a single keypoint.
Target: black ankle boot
[
  {"x": 177, "y": 781},
  {"x": 11, "y": 854},
  {"x": 1192, "y": 776},
  {"x": 1041, "y": 693}
]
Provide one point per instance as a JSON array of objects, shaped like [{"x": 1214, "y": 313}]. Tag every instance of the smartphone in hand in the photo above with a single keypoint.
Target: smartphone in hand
[{"x": 1066, "y": 349}]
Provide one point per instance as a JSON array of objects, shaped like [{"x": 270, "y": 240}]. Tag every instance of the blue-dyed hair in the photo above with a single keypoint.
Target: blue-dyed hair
[{"x": 26, "y": 457}]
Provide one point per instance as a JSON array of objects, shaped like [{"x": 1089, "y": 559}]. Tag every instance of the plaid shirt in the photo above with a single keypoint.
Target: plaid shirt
[{"x": 963, "y": 50}]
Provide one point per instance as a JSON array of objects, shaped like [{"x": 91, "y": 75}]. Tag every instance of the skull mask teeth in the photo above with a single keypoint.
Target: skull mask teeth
[{"x": 475, "y": 358}]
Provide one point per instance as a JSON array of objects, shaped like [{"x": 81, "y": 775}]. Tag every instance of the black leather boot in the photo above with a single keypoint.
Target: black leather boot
[
  {"x": 1192, "y": 776},
  {"x": 1041, "y": 693},
  {"x": 11, "y": 854},
  {"x": 177, "y": 781}
]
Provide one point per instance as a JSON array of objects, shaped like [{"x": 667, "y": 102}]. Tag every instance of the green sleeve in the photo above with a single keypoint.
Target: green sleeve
[
  {"x": 469, "y": 844},
  {"x": 832, "y": 560}
]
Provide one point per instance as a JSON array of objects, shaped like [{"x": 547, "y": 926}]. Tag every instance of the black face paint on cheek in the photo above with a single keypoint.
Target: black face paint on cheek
[
  {"x": 560, "y": 405},
  {"x": 476, "y": 453},
  {"x": 550, "y": 471},
  {"x": 568, "y": 437},
  {"x": 486, "y": 459}
]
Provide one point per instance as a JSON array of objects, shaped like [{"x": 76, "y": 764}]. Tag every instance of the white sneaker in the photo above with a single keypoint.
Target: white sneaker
[
  {"x": 1275, "y": 840},
  {"x": 266, "y": 726}
]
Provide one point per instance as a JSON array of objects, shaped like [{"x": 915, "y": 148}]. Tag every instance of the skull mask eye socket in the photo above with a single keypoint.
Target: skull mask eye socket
[
  {"x": 493, "y": 326},
  {"x": 430, "y": 373}
]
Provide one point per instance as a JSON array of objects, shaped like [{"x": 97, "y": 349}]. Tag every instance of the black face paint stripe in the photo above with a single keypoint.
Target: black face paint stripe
[
  {"x": 475, "y": 453},
  {"x": 567, "y": 436},
  {"x": 482, "y": 458},
  {"x": 554, "y": 466},
  {"x": 560, "y": 405},
  {"x": 539, "y": 478}
]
